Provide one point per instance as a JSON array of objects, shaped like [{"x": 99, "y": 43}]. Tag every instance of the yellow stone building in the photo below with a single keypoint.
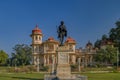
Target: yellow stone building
[{"x": 42, "y": 51}]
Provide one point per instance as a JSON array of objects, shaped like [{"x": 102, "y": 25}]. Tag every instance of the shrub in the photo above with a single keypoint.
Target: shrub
[
  {"x": 74, "y": 67},
  {"x": 44, "y": 68}
]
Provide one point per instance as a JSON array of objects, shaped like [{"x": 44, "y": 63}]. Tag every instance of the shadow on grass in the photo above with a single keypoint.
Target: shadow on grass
[
  {"x": 21, "y": 78},
  {"x": 24, "y": 78}
]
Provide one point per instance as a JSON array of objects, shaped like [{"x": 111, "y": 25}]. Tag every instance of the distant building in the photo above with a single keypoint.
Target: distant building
[
  {"x": 106, "y": 42},
  {"x": 42, "y": 51},
  {"x": 86, "y": 55}
]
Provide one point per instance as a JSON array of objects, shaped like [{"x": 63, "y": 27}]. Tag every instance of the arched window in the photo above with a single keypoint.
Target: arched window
[
  {"x": 71, "y": 47},
  {"x": 39, "y": 38},
  {"x": 51, "y": 46},
  {"x": 35, "y": 37}
]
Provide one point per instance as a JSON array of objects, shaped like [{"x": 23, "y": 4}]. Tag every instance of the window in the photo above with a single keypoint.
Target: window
[
  {"x": 39, "y": 38},
  {"x": 71, "y": 47},
  {"x": 35, "y": 37},
  {"x": 51, "y": 46}
]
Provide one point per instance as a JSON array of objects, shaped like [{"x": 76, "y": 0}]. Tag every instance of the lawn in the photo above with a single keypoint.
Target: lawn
[
  {"x": 40, "y": 76},
  {"x": 103, "y": 76},
  {"x": 21, "y": 76}
]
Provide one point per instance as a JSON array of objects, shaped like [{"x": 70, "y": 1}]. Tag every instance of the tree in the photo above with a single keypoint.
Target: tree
[
  {"x": 21, "y": 55},
  {"x": 114, "y": 34},
  {"x": 107, "y": 55},
  {"x": 3, "y": 57},
  {"x": 104, "y": 37},
  {"x": 97, "y": 44},
  {"x": 111, "y": 44}
]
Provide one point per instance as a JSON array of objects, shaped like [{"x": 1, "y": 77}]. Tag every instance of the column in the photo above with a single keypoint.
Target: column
[
  {"x": 91, "y": 62},
  {"x": 86, "y": 61},
  {"x": 44, "y": 60},
  {"x": 90, "y": 59},
  {"x": 68, "y": 59},
  {"x": 79, "y": 61},
  {"x": 38, "y": 64},
  {"x": 55, "y": 59},
  {"x": 47, "y": 59},
  {"x": 34, "y": 60},
  {"x": 53, "y": 62},
  {"x": 73, "y": 59}
]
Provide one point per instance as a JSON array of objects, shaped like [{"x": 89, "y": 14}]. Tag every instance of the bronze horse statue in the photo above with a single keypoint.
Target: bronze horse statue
[{"x": 62, "y": 32}]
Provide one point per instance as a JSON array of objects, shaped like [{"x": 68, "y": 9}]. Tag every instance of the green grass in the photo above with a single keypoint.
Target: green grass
[
  {"x": 103, "y": 76},
  {"x": 40, "y": 76},
  {"x": 21, "y": 76}
]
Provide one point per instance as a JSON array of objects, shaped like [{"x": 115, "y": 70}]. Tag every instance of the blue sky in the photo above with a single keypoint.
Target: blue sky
[{"x": 85, "y": 19}]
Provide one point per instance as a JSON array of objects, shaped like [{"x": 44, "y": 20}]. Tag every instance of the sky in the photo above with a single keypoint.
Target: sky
[{"x": 85, "y": 20}]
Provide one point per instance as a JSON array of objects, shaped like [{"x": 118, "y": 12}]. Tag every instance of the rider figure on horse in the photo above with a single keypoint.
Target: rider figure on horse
[{"x": 62, "y": 32}]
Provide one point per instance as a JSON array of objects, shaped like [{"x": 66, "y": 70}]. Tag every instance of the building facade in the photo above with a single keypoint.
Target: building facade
[{"x": 43, "y": 51}]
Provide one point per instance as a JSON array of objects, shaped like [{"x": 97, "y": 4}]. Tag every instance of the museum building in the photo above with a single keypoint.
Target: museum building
[{"x": 44, "y": 51}]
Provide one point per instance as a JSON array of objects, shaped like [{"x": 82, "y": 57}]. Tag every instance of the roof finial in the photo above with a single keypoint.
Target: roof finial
[{"x": 36, "y": 26}]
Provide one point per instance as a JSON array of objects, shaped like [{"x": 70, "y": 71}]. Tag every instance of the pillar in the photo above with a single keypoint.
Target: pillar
[
  {"x": 53, "y": 63},
  {"x": 38, "y": 64},
  {"x": 47, "y": 59},
  {"x": 79, "y": 61},
  {"x": 44, "y": 60}
]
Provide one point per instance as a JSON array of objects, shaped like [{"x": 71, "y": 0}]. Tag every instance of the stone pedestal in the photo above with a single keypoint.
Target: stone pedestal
[
  {"x": 63, "y": 66},
  {"x": 63, "y": 71}
]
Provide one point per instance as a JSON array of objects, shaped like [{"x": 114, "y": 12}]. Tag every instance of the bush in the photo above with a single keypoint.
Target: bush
[
  {"x": 115, "y": 71},
  {"x": 22, "y": 69},
  {"x": 44, "y": 68},
  {"x": 74, "y": 67},
  {"x": 32, "y": 68},
  {"x": 11, "y": 70}
]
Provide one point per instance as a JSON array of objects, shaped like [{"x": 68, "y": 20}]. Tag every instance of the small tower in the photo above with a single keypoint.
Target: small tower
[
  {"x": 36, "y": 43},
  {"x": 89, "y": 46},
  {"x": 71, "y": 44}
]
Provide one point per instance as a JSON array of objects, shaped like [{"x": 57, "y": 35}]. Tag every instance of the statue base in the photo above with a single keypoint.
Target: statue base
[{"x": 63, "y": 71}]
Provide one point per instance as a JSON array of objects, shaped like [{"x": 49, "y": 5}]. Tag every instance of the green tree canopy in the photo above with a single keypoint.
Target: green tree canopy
[
  {"x": 104, "y": 37},
  {"x": 97, "y": 44},
  {"x": 114, "y": 34},
  {"x": 107, "y": 55},
  {"x": 21, "y": 55},
  {"x": 3, "y": 57}
]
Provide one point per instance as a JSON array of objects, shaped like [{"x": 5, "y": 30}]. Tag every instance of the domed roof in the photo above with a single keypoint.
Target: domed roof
[
  {"x": 36, "y": 30},
  {"x": 51, "y": 39},
  {"x": 89, "y": 43},
  {"x": 69, "y": 39}
]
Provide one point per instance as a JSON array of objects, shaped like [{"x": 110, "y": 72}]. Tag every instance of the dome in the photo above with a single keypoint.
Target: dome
[
  {"x": 69, "y": 39},
  {"x": 89, "y": 43},
  {"x": 36, "y": 30},
  {"x": 51, "y": 39}
]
